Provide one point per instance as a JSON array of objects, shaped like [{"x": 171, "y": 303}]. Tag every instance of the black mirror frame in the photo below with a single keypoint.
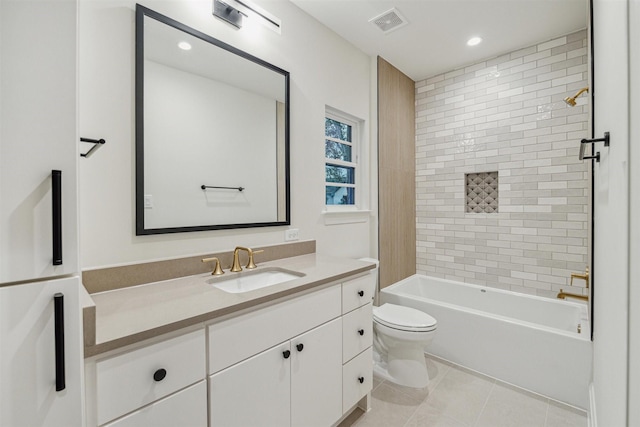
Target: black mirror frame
[{"x": 141, "y": 12}]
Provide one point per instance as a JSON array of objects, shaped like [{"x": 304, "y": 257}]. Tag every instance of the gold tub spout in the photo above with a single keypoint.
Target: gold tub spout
[{"x": 563, "y": 295}]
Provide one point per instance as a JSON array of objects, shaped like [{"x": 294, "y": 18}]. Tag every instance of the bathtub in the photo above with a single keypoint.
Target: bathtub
[{"x": 540, "y": 344}]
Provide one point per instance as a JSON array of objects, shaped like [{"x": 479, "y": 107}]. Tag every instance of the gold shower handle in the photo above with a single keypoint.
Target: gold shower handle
[{"x": 584, "y": 277}]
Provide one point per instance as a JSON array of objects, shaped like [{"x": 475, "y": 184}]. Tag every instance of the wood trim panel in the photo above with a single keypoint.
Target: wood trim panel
[{"x": 396, "y": 171}]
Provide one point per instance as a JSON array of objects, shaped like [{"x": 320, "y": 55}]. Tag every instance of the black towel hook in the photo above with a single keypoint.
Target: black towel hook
[{"x": 97, "y": 143}]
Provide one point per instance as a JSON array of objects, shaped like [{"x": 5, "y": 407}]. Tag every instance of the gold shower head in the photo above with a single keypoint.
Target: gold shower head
[{"x": 571, "y": 100}]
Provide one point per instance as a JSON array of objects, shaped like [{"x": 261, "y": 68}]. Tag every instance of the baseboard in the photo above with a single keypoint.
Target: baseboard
[{"x": 592, "y": 420}]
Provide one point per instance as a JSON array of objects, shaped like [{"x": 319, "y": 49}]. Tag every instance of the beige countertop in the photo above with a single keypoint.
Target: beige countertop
[{"x": 129, "y": 315}]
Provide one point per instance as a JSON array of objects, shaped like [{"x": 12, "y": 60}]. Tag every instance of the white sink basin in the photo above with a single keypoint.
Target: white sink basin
[{"x": 237, "y": 283}]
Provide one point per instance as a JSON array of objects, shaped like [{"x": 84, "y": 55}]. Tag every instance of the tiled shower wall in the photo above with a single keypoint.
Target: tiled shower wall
[{"x": 506, "y": 114}]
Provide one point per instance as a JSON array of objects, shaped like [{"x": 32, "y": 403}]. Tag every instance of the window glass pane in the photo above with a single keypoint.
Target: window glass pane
[
  {"x": 335, "y": 150},
  {"x": 341, "y": 174},
  {"x": 335, "y": 129},
  {"x": 340, "y": 195}
]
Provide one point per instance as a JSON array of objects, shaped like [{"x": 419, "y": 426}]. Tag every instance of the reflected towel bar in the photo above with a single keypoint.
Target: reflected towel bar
[{"x": 222, "y": 188}]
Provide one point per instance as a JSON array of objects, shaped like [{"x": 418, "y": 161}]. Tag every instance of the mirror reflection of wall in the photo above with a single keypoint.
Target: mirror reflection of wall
[
  {"x": 214, "y": 117},
  {"x": 194, "y": 141}
]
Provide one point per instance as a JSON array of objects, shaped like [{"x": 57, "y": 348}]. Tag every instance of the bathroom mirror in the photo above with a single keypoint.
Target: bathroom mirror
[{"x": 212, "y": 132}]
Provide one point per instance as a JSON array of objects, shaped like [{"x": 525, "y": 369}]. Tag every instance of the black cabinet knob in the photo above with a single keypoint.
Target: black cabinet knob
[
  {"x": 360, "y": 380},
  {"x": 299, "y": 347},
  {"x": 361, "y": 332},
  {"x": 159, "y": 374},
  {"x": 361, "y": 293},
  {"x": 286, "y": 354}
]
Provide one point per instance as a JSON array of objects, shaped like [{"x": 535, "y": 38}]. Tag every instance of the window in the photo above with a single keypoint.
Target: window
[{"x": 341, "y": 157}]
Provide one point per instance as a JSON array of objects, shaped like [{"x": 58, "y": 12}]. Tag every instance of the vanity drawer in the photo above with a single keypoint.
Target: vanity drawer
[
  {"x": 238, "y": 338},
  {"x": 357, "y": 332},
  {"x": 188, "y": 407},
  {"x": 357, "y": 379},
  {"x": 128, "y": 381},
  {"x": 358, "y": 292}
]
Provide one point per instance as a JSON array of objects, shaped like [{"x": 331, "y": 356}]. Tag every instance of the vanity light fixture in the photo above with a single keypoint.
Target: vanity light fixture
[
  {"x": 473, "y": 41},
  {"x": 184, "y": 46},
  {"x": 227, "y": 13},
  {"x": 255, "y": 10}
]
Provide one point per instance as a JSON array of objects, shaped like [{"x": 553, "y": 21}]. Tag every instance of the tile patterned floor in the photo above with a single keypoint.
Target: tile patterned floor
[{"x": 457, "y": 397}]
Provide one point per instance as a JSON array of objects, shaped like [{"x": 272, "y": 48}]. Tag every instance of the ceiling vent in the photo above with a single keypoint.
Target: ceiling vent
[{"x": 389, "y": 21}]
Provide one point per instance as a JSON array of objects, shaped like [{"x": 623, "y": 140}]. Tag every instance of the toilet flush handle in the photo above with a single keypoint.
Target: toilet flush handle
[{"x": 361, "y": 293}]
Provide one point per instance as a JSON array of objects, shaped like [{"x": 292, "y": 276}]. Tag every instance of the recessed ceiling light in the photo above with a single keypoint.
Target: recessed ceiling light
[
  {"x": 474, "y": 41},
  {"x": 184, "y": 46}
]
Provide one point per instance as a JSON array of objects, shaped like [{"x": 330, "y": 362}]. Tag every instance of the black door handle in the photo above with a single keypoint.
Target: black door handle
[
  {"x": 361, "y": 379},
  {"x": 286, "y": 354},
  {"x": 56, "y": 210},
  {"x": 299, "y": 347},
  {"x": 361, "y": 332},
  {"x": 361, "y": 293},
  {"x": 58, "y": 321}
]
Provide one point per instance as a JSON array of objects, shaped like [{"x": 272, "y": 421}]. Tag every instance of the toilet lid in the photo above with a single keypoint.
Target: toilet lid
[{"x": 404, "y": 318}]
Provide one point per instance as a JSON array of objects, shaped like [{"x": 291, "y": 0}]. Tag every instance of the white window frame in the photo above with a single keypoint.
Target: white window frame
[{"x": 358, "y": 212}]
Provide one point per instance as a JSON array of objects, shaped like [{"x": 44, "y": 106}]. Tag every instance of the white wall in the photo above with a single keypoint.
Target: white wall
[
  {"x": 325, "y": 70},
  {"x": 634, "y": 215}
]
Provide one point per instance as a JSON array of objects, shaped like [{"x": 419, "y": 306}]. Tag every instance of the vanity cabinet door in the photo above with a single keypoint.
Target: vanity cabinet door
[
  {"x": 316, "y": 376},
  {"x": 254, "y": 392}
]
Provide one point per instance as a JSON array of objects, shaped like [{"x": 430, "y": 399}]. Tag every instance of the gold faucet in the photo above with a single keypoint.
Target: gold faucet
[
  {"x": 236, "y": 259},
  {"x": 217, "y": 270},
  {"x": 562, "y": 294}
]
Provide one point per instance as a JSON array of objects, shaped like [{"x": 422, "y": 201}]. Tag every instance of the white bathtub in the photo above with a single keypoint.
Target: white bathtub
[{"x": 536, "y": 343}]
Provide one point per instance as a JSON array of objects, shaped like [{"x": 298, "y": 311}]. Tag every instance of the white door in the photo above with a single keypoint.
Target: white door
[
  {"x": 38, "y": 134},
  {"x": 611, "y": 214},
  {"x": 634, "y": 209},
  {"x": 254, "y": 392},
  {"x": 29, "y": 371},
  {"x": 316, "y": 376}
]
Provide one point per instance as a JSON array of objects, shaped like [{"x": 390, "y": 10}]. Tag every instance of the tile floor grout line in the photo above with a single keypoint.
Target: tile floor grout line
[
  {"x": 493, "y": 386},
  {"x": 546, "y": 416}
]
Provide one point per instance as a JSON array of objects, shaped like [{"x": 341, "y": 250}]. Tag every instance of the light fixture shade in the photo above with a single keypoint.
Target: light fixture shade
[{"x": 227, "y": 13}]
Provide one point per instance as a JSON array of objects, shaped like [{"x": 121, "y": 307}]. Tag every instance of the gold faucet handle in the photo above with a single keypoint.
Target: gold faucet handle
[
  {"x": 584, "y": 277},
  {"x": 217, "y": 270},
  {"x": 251, "y": 264}
]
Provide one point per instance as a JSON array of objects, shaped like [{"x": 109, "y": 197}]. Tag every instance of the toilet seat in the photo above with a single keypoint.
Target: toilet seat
[{"x": 404, "y": 318}]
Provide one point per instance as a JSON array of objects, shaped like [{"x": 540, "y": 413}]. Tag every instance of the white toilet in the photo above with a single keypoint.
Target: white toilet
[{"x": 400, "y": 335}]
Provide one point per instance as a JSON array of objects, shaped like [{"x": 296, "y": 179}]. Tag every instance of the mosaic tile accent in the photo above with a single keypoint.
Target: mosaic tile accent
[{"x": 482, "y": 192}]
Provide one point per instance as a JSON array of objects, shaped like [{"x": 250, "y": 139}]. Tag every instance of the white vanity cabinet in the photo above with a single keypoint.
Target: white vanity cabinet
[
  {"x": 304, "y": 360},
  {"x": 301, "y": 362},
  {"x": 291, "y": 384},
  {"x": 295, "y": 382}
]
